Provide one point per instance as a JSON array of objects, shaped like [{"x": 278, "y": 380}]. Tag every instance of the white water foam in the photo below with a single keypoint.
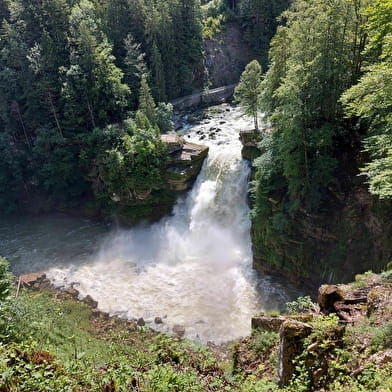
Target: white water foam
[{"x": 194, "y": 267}]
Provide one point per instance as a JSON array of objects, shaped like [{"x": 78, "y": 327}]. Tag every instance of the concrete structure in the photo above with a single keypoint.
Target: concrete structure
[{"x": 214, "y": 96}]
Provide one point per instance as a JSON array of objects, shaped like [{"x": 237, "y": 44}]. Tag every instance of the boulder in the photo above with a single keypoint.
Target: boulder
[
  {"x": 250, "y": 138},
  {"x": 178, "y": 330},
  {"x": 30, "y": 279},
  {"x": 89, "y": 301},
  {"x": 158, "y": 320},
  {"x": 349, "y": 305},
  {"x": 327, "y": 296},
  {"x": 184, "y": 166},
  {"x": 72, "y": 292},
  {"x": 141, "y": 322},
  {"x": 173, "y": 142}
]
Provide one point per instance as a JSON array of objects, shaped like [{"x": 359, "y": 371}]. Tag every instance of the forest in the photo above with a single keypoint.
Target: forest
[
  {"x": 86, "y": 90},
  {"x": 85, "y": 86},
  {"x": 327, "y": 95},
  {"x": 71, "y": 74}
]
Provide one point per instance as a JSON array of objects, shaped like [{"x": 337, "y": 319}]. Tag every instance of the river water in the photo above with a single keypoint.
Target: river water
[{"x": 192, "y": 268}]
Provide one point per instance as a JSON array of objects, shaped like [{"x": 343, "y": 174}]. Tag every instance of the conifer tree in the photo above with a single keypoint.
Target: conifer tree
[
  {"x": 94, "y": 92},
  {"x": 146, "y": 101},
  {"x": 247, "y": 92},
  {"x": 158, "y": 74},
  {"x": 134, "y": 67}
]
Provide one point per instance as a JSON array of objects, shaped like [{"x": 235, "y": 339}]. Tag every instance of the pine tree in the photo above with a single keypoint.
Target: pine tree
[
  {"x": 134, "y": 67},
  {"x": 247, "y": 92},
  {"x": 146, "y": 101},
  {"x": 93, "y": 89},
  {"x": 158, "y": 74}
]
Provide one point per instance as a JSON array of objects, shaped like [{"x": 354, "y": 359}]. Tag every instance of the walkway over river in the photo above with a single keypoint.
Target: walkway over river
[{"x": 210, "y": 97}]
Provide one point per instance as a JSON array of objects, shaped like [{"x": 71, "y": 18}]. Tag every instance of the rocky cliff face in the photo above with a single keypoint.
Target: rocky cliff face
[
  {"x": 351, "y": 235},
  {"x": 226, "y": 56},
  {"x": 185, "y": 162}
]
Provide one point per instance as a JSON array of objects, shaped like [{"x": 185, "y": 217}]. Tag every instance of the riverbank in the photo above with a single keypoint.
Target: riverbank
[{"x": 52, "y": 341}]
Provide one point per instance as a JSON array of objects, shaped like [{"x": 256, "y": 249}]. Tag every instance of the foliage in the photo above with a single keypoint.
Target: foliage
[
  {"x": 213, "y": 26},
  {"x": 58, "y": 344},
  {"x": 263, "y": 340},
  {"x": 5, "y": 279},
  {"x": 314, "y": 57},
  {"x": 370, "y": 100},
  {"x": 248, "y": 90},
  {"x": 13, "y": 167},
  {"x": 133, "y": 163},
  {"x": 165, "y": 379},
  {"x": 382, "y": 337},
  {"x": 300, "y": 305},
  {"x": 58, "y": 348},
  {"x": 70, "y": 67},
  {"x": 259, "y": 20},
  {"x": 164, "y": 116}
]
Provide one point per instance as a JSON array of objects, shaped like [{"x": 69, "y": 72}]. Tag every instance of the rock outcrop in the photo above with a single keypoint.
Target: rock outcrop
[
  {"x": 349, "y": 319},
  {"x": 250, "y": 140},
  {"x": 268, "y": 323},
  {"x": 292, "y": 334},
  {"x": 186, "y": 160}
]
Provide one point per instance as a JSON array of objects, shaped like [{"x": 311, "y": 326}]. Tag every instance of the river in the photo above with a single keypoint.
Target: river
[{"x": 192, "y": 268}]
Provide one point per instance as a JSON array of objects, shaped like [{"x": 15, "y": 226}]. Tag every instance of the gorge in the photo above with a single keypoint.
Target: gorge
[{"x": 194, "y": 267}]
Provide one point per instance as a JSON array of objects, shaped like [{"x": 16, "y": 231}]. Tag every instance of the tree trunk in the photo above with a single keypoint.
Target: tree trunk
[
  {"x": 55, "y": 114},
  {"x": 91, "y": 113}
]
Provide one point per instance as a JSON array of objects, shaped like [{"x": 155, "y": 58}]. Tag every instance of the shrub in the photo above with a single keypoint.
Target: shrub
[
  {"x": 5, "y": 279},
  {"x": 382, "y": 337},
  {"x": 263, "y": 340},
  {"x": 300, "y": 305}
]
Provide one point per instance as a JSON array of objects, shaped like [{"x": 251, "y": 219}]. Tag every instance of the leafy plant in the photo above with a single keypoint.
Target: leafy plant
[
  {"x": 300, "y": 305},
  {"x": 6, "y": 280},
  {"x": 263, "y": 340}
]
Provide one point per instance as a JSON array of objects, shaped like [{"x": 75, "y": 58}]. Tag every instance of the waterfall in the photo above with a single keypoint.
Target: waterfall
[{"x": 193, "y": 268}]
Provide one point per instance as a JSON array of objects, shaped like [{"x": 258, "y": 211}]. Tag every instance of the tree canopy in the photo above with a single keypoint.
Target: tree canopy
[
  {"x": 69, "y": 68},
  {"x": 247, "y": 92}
]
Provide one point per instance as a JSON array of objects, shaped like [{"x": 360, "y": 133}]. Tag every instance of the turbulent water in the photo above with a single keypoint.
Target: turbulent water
[{"x": 192, "y": 268}]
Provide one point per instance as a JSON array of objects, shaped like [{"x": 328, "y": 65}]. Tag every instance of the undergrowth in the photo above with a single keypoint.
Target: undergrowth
[{"x": 51, "y": 342}]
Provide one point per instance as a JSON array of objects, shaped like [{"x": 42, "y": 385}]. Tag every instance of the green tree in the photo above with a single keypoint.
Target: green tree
[
  {"x": 14, "y": 169},
  {"x": 313, "y": 60},
  {"x": 158, "y": 75},
  {"x": 247, "y": 92},
  {"x": 305, "y": 88},
  {"x": 93, "y": 89},
  {"x": 146, "y": 101},
  {"x": 135, "y": 164},
  {"x": 164, "y": 116},
  {"x": 134, "y": 67},
  {"x": 371, "y": 100}
]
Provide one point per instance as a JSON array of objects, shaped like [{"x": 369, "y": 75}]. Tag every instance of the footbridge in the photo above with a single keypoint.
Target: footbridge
[{"x": 214, "y": 96}]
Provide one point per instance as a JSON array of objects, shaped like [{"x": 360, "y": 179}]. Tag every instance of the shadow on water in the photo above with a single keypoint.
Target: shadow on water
[{"x": 36, "y": 243}]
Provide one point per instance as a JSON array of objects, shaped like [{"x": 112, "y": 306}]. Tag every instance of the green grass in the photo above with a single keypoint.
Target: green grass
[
  {"x": 50, "y": 342},
  {"x": 55, "y": 346}
]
